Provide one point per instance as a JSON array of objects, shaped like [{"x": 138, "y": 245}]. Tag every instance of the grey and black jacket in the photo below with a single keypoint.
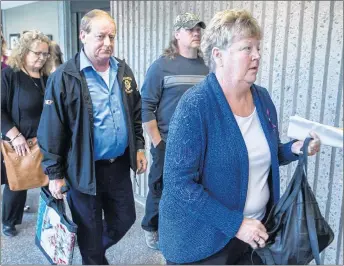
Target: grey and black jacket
[{"x": 65, "y": 132}]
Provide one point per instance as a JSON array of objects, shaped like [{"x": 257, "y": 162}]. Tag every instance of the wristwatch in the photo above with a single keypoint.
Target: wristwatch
[{"x": 141, "y": 150}]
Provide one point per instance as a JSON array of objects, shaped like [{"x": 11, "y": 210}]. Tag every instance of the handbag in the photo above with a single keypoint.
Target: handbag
[
  {"x": 55, "y": 232},
  {"x": 24, "y": 172},
  {"x": 297, "y": 230}
]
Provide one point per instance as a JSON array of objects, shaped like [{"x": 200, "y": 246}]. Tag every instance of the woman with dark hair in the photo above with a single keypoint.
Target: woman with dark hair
[
  {"x": 22, "y": 92},
  {"x": 56, "y": 56}
]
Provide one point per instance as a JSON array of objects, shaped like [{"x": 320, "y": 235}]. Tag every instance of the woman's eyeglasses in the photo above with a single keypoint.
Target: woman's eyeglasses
[{"x": 38, "y": 54}]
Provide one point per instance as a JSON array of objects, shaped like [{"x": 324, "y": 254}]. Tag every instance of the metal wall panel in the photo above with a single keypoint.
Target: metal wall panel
[{"x": 301, "y": 66}]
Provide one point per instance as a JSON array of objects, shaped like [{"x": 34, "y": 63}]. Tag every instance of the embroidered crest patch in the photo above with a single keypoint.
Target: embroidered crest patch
[{"x": 127, "y": 84}]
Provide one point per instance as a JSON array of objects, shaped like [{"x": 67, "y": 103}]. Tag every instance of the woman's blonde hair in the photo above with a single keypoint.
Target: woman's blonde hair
[
  {"x": 225, "y": 27},
  {"x": 18, "y": 54}
]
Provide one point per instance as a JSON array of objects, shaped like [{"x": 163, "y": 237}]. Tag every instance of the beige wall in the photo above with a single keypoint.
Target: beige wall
[{"x": 42, "y": 16}]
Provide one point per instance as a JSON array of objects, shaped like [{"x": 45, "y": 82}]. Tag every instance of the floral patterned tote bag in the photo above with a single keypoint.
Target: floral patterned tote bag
[{"x": 55, "y": 232}]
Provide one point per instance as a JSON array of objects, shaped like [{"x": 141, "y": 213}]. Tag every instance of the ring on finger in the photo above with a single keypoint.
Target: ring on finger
[{"x": 259, "y": 242}]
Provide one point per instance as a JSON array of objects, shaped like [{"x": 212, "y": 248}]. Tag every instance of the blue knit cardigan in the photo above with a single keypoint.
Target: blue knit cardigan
[{"x": 206, "y": 171}]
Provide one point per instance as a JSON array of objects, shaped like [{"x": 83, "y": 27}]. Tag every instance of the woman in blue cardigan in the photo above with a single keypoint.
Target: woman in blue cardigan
[{"x": 223, "y": 154}]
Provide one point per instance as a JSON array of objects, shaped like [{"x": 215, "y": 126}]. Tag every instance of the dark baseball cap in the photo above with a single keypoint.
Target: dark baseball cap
[{"x": 187, "y": 21}]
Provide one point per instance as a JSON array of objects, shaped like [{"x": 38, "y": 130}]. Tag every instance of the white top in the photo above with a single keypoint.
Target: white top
[
  {"x": 106, "y": 76},
  {"x": 259, "y": 165}
]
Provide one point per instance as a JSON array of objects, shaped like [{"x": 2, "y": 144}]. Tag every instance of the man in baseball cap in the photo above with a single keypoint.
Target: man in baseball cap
[
  {"x": 187, "y": 21},
  {"x": 178, "y": 69}
]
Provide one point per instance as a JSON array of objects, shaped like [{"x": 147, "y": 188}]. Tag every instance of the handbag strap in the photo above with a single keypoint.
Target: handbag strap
[
  {"x": 310, "y": 217},
  {"x": 312, "y": 231},
  {"x": 293, "y": 189},
  {"x": 16, "y": 86},
  {"x": 265, "y": 254},
  {"x": 304, "y": 156},
  {"x": 59, "y": 202},
  {"x": 302, "y": 165},
  {"x": 282, "y": 209},
  {"x": 313, "y": 237},
  {"x": 269, "y": 259}
]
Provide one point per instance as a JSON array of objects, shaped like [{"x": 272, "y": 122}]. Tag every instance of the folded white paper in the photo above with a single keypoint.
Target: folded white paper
[{"x": 299, "y": 128}]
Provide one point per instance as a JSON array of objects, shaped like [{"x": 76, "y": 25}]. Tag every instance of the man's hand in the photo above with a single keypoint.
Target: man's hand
[
  {"x": 141, "y": 162},
  {"x": 152, "y": 129},
  {"x": 156, "y": 142},
  {"x": 55, "y": 188}
]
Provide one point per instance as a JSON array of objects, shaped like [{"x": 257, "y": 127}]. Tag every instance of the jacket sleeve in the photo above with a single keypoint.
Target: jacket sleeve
[
  {"x": 151, "y": 92},
  {"x": 285, "y": 155},
  {"x": 53, "y": 136},
  {"x": 185, "y": 150},
  {"x": 137, "y": 119},
  {"x": 6, "y": 88}
]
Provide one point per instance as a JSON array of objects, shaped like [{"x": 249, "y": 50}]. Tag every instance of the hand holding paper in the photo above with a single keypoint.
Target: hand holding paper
[{"x": 299, "y": 128}]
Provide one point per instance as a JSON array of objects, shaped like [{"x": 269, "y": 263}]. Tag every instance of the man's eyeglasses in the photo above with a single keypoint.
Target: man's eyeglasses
[{"x": 45, "y": 55}]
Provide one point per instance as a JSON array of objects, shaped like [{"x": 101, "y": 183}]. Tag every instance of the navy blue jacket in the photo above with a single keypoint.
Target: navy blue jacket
[
  {"x": 65, "y": 132},
  {"x": 206, "y": 171}
]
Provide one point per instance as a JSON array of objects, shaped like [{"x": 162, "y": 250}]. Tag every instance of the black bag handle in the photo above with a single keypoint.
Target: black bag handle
[
  {"x": 312, "y": 232},
  {"x": 292, "y": 190},
  {"x": 303, "y": 158},
  {"x": 16, "y": 86},
  {"x": 59, "y": 202},
  {"x": 298, "y": 180},
  {"x": 313, "y": 237},
  {"x": 288, "y": 200}
]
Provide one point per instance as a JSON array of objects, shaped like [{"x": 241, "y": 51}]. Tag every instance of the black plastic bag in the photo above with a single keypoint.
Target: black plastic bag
[{"x": 297, "y": 230}]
